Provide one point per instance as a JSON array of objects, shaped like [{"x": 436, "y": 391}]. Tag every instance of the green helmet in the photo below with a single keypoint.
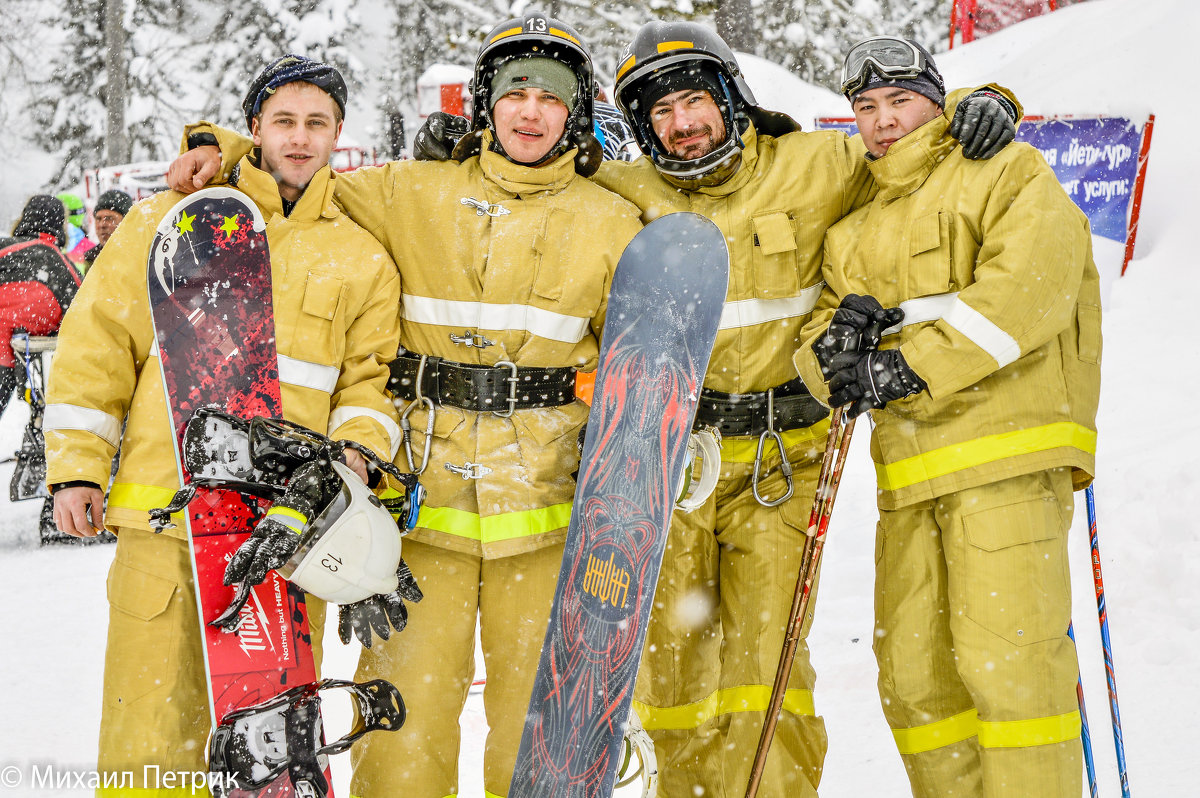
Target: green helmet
[
  {"x": 536, "y": 34},
  {"x": 74, "y": 206},
  {"x": 664, "y": 54}
]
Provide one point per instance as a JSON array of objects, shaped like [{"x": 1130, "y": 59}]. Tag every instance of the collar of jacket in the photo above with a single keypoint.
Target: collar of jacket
[
  {"x": 743, "y": 174},
  {"x": 314, "y": 203},
  {"x": 520, "y": 180},
  {"x": 909, "y": 162}
]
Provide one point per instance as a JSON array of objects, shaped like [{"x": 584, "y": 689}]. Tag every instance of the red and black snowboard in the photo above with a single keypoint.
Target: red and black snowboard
[
  {"x": 209, "y": 277},
  {"x": 663, "y": 311}
]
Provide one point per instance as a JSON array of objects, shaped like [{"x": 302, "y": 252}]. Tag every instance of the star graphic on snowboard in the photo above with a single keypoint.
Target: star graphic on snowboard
[
  {"x": 230, "y": 224},
  {"x": 184, "y": 225}
]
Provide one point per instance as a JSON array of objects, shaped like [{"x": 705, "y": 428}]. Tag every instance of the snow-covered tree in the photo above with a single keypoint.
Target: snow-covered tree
[{"x": 249, "y": 34}]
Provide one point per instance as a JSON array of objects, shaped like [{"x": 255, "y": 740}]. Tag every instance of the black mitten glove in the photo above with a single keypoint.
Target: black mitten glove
[
  {"x": 984, "y": 122},
  {"x": 857, "y": 326},
  {"x": 875, "y": 379},
  {"x": 381, "y": 612},
  {"x": 437, "y": 137}
]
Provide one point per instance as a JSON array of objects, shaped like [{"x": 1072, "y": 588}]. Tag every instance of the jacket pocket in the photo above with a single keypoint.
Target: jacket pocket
[
  {"x": 317, "y": 337},
  {"x": 1087, "y": 320},
  {"x": 776, "y": 272},
  {"x": 549, "y": 263},
  {"x": 1016, "y": 584},
  {"x": 929, "y": 255}
]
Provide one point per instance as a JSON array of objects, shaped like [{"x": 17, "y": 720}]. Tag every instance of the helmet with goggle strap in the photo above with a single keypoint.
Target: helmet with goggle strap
[
  {"x": 668, "y": 51},
  {"x": 890, "y": 59},
  {"x": 536, "y": 34}
]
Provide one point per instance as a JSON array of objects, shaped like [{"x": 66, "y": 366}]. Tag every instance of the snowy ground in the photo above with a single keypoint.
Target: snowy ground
[{"x": 1114, "y": 56}]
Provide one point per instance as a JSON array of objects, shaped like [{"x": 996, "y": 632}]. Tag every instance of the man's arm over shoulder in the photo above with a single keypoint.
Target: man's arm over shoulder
[
  {"x": 361, "y": 409},
  {"x": 104, "y": 341},
  {"x": 1034, "y": 249}
]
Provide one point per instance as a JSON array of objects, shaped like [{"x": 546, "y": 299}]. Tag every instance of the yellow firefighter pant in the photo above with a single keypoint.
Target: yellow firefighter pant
[
  {"x": 976, "y": 672},
  {"x": 432, "y": 662},
  {"x": 155, "y": 711},
  {"x": 717, "y": 629}
]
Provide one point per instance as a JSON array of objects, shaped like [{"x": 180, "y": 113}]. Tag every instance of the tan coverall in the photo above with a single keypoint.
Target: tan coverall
[
  {"x": 335, "y": 299},
  {"x": 992, "y": 263}
]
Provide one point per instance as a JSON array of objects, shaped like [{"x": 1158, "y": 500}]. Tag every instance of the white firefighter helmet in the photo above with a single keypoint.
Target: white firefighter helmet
[{"x": 350, "y": 550}]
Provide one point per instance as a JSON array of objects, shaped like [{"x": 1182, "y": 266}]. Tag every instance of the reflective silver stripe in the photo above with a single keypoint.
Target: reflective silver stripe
[
  {"x": 347, "y": 413},
  {"x": 296, "y": 372},
  {"x": 923, "y": 308},
  {"x": 60, "y": 418},
  {"x": 979, "y": 329},
  {"x": 485, "y": 316},
  {"x": 749, "y": 312},
  {"x": 983, "y": 333},
  {"x": 307, "y": 375}
]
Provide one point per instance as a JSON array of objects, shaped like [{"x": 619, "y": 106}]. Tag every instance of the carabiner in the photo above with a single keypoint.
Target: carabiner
[
  {"x": 784, "y": 466},
  {"x": 406, "y": 426}
]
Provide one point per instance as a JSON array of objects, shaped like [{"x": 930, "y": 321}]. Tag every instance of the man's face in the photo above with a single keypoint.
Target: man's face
[
  {"x": 296, "y": 131},
  {"x": 688, "y": 123},
  {"x": 888, "y": 114},
  {"x": 529, "y": 122},
  {"x": 106, "y": 223}
]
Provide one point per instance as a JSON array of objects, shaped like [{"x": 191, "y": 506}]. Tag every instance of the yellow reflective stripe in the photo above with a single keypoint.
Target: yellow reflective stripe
[
  {"x": 562, "y": 34},
  {"x": 522, "y": 523},
  {"x": 665, "y": 46},
  {"x": 292, "y": 519},
  {"x": 991, "y": 733},
  {"x": 954, "y": 729},
  {"x": 748, "y": 698},
  {"x": 626, "y": 66},
  {"x": 139, "y": 497},
  {"x": 1025, "y": 733},
  {"x": 742, "y": 450},
  {"x": 960, "y": 456},
  {"x": 505, "y": 33}
]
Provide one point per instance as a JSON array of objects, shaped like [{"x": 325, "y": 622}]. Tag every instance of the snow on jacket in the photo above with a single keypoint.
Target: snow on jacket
[
  {"x": 335, "y": 299},
  {"x": 524, "y": 257},
  {"x": 992, "y": 263}
]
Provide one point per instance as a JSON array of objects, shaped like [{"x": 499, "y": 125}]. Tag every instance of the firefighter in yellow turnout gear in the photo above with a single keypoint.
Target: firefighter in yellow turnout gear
[
  {"x": 506, "y": 257},
  {"x": 984, "y": 393},
  {"x": 335, "y": 295},
  {"x": 730, "y": 568}
]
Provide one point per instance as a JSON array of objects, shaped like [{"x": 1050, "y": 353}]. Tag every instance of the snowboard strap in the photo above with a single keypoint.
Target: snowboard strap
[
  {"x": 500, "y": 389},
  {"x": 745, "y": 414}
]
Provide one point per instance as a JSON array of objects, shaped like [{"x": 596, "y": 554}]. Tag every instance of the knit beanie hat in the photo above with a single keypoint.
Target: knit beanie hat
[
  {"x": 43, "y": 214},
  {"x": 928, "y": 84},
  {"x": 114, "y": 200},
  {"x": 74, "y": 208},
  {"x": 536, "y": 72}
]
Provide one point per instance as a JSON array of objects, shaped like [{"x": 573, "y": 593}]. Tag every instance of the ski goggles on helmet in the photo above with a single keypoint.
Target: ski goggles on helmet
[{"x": 887, "y": 56}]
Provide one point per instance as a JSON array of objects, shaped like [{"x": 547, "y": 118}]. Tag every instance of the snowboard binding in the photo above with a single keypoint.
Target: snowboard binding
[
  {"x": 259, "y": 457},
  {"x": 253, "y": 746}
]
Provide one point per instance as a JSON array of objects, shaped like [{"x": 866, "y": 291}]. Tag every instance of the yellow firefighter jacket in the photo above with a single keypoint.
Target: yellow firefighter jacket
[
  {"x": 774, "y": 212},
  {"x": 519, "y": 258},
  {"x": 335, "y": 297},
  {"x": 992, "y": 264}
]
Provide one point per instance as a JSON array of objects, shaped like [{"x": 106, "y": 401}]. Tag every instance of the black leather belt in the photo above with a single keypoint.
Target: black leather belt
[
  {"x": 745, "y": 414},
  {"x": 500, "y": 389}
]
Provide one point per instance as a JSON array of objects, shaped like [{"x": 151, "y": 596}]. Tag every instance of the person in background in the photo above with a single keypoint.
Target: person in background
[
  {"x": 78, "y": 244},
  {"x": 111, "y": 207}
]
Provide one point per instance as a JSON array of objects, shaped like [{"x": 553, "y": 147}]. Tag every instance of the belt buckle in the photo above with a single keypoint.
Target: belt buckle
[{"x": 512, "y": 389}]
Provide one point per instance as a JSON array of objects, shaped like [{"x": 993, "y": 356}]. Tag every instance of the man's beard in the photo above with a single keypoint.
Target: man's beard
[{"x": 694, "y": 151}]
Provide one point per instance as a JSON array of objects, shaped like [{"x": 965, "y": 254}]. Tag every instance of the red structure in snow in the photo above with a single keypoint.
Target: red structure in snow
[{"x": 971, "y": 18}]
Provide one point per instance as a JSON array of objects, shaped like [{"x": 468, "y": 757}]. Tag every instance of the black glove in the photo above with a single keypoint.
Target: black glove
[
  {"x": 269, "y": 546},
  {"x": 984, "y": 123},
  {"x": 857, "y": 326},
  {"x": 437, "y": 137},
  {"x": 375, "y": 612},
  {"x": 875, "y": 379}
]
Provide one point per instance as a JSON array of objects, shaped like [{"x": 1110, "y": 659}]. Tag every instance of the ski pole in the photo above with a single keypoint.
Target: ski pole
[
  {"x": 1106, "y": 643},
  {"x": 836, "y": 446},
  {"x": 1085, "y": 733}
]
